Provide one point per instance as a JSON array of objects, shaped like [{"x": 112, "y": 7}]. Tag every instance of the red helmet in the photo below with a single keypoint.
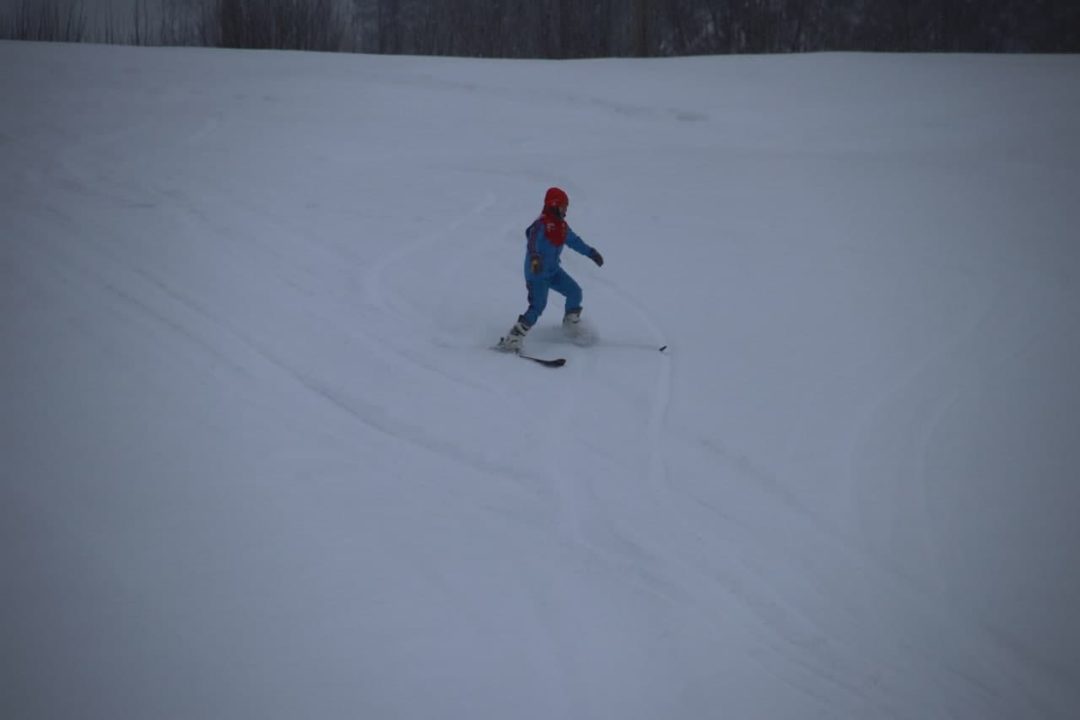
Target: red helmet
[{"x": 556, "y": 197}]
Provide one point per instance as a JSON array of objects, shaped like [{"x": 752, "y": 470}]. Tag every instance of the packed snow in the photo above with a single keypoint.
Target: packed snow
[{"x": 257, "y": 459}]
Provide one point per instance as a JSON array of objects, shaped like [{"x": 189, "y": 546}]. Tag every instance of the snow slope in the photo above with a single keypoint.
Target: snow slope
[{"x": 257, "y": 462}]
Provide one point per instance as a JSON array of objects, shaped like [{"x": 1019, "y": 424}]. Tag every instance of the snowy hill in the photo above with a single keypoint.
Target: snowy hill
[{"x": 256, "y": 459}]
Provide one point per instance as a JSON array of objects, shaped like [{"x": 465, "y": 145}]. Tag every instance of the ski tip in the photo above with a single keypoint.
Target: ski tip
[{"x": 553, "y": 363}]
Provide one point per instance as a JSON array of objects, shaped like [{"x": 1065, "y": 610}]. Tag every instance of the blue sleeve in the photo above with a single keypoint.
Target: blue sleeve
[
  {"x": 575, "y": 243},
  {"x": 530, "y": 234}
]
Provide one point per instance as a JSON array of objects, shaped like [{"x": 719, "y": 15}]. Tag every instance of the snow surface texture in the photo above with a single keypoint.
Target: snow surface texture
[{"x": 259, "y": 462}]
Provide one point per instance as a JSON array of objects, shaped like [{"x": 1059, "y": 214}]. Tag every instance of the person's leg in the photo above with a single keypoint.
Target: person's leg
[
  {"x": 538, "y": 297},
  {"x": 565, "y": 285},
  {"x": 571, "y": 322}
]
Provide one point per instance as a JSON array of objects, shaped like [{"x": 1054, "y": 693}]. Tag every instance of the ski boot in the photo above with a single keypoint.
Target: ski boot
[
  {"x": 571, "y": 324},
  {"x": 512, "y": 341},
  {"x": 577, "y": 331}
]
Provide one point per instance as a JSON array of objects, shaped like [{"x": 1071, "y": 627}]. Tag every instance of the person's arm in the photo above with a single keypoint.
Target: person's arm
[
  {"x": 574, "y": 241},
  {"x": 535, "y": 264}
]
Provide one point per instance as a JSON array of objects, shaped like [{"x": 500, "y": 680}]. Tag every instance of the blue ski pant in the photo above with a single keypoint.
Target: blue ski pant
[{"x": 538, "y": 287}]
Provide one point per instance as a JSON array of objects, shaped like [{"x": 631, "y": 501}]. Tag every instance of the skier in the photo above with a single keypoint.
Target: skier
[{"x": 546, "y": 237}]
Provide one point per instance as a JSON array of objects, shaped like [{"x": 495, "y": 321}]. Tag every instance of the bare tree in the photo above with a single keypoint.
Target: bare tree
[{"x": 572, "y": 28}]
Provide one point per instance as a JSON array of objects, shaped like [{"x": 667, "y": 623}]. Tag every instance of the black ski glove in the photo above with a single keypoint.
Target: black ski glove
[{"x": 597, "y": 258}]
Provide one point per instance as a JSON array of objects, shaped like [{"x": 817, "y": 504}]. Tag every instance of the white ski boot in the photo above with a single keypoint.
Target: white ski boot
[
  {"x": 576, "y": 331},
  {"x": 512, "y": 341},
  {"x": 571, "y": 325}
]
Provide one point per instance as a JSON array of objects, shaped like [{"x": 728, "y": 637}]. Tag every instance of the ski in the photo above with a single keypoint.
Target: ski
[{"x": 556, "y": 362}]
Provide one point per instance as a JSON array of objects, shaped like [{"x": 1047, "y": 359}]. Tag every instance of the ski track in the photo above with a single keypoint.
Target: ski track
[
  {"x": 580, "y": 518},
  {"x": 774, "y": 617},
  {"x": 935, "y": 383},
  {"x": 657, "y": 490},
  {"x": 657, "y": 421},
  {"x": 375, "y": 294},
  {"x": 217, "y": 345},
  {"x": 568, "y": 483}
]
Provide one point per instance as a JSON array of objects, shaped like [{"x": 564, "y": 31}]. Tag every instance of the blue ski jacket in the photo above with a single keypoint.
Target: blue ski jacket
[{"x": 546, "y": 237}]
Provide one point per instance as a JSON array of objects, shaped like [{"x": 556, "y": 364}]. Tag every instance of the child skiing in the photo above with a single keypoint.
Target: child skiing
[{"x": 546, "y": 237}]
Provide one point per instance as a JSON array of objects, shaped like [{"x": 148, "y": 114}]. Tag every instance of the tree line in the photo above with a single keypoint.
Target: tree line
[
  {"x": 650, "y": 28},
  {"x": 569, "y": 28}
]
